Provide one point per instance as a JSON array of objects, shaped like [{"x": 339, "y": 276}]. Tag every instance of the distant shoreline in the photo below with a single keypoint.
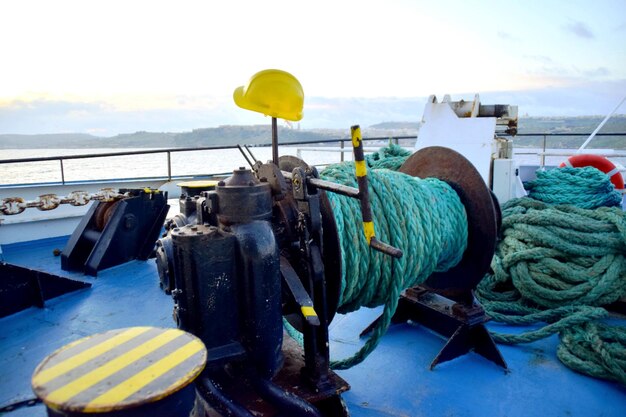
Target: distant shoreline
[{"x": 261, "y": 135}]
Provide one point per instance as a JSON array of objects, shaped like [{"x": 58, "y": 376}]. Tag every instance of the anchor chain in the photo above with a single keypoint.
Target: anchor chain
[{"x": 16, "y": 205}]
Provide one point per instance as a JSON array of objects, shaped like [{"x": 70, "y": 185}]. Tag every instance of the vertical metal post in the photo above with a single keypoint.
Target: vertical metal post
[
  {"x": 62, "y": 172},
  {"x": 543, "y": 154},
  {"x": 274, "y": 141},
  {"x": 396, "y": 140},
  {"x": 341, "y": 145},
  {"x": 169, "y": 166}
]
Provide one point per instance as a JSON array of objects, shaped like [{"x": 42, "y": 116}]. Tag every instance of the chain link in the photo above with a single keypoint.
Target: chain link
[{"x": 16, "y": 205}]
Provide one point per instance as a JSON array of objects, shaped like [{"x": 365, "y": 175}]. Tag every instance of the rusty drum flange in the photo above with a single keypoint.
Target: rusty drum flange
[{"x": 453, "y": 168}]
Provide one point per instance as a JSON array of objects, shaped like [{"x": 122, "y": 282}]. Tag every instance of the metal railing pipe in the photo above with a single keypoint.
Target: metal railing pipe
[{"x": 62, "y": 172}]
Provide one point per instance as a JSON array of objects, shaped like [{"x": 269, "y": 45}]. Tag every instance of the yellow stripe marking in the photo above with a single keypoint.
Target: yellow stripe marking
[
  {"x": 361, "y": 168},
  {"x": 86, "y": 381},
  {"x": 133, "y": 384},
  {"x": 368, "y": 230},
  {"x": 356, "y": 137},
  {"x": 308, "y": 311},
  {"x": 197, "y": 184},
  {"x": 63, "y": 367}
]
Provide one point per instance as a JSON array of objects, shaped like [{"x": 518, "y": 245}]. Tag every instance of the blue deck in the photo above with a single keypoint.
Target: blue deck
[{"x": 394, "y": 381}]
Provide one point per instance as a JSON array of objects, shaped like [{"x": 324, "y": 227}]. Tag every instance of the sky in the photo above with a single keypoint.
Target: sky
[{"x": 108, "y": 67}]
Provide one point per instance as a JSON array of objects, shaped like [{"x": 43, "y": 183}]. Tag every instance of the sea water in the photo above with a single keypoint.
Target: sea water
[{"x": 187, "y": 163}]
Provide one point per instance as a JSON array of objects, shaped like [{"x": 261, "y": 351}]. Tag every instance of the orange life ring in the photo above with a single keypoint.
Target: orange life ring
[{"x": 599, "y": 162}]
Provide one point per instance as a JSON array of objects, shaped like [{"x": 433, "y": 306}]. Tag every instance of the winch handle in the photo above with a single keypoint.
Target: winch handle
[{"x": 366, "y": 210}]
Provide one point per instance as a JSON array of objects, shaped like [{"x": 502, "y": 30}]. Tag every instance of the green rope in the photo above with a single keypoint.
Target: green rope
[
  {"x": 555, "y": 264},
  {"x": 424, "y": 218},
  {"x": 390, "y": 157},
  {"x": 558, "y": 264},
  {"x": 586, "y": 187},
  {"x": 595, "y": 349},
  {"x": 293, "y": 332}
]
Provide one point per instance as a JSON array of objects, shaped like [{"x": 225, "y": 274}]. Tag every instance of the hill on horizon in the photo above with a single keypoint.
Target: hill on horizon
[{"x": 261, "y": 135}]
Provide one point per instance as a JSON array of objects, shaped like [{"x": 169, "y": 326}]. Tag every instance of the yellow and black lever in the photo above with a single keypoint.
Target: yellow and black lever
[
  {"x": 362, "y": 194},
  {"x": 366, "y": 210},
  {"x": 301, "y": 297}
]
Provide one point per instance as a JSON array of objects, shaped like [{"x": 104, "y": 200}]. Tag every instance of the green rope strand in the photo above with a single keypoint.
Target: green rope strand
[
  {"x": 390, "y": 157},
  {"x": 595, "y": 349},
  {"x": 558, "y": 264},
  {"x": 586, "y": 187},
  {"x": 424, "y": 218}
]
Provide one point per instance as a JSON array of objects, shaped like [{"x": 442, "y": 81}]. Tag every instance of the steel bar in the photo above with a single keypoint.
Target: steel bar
[
  {"x": 329, "y": 186},
  {"x": 62, "y": 172},
  {"x": 275, "y": 141},
  {"x": 245, "y": 156},
  {"x": 169, "y": 166}
]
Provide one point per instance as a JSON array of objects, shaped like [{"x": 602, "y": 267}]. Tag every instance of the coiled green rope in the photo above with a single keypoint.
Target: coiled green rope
[
  {"x": 424, "y": 218},
  {"x": 555, "y": 264},
  {"x": 558, "y": 264},
  {"x": 390, "y": 157},
  {"x": 586, "y": 187},
  {"x": 433, "y": 238}
]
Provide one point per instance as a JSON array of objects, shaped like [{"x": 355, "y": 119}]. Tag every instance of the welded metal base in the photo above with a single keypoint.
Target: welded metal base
[
  {"x": 328, "y": 402},
  {"x": 462, "y": 323}
]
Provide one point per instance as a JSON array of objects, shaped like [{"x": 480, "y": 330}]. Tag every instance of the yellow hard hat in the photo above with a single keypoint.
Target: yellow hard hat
[{"x": 274, "y": 93}]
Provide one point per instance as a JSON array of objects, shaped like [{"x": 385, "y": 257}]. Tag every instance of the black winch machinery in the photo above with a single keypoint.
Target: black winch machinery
[{"x": 261, "y": 248}]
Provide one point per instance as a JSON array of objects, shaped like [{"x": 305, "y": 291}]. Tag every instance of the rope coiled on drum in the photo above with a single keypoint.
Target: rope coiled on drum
[
  {"x": 559, "y": 264},
  {"x": 423, "y": 217}
]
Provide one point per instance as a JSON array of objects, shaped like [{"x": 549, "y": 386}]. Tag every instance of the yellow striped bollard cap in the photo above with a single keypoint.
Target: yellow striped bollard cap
[{"x": 119, "y": 370}]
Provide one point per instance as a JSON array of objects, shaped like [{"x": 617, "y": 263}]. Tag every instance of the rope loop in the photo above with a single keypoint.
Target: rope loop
[{"x": 562, "y": 257}]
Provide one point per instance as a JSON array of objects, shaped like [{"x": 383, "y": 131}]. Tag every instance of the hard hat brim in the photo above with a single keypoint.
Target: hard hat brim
[
  {"x": 272, "y": 105},
  {"x": 241, "y": 101}
]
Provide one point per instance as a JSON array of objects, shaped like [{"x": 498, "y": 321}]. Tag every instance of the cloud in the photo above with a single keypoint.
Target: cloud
[
  {"x": 553, "y": 96},
  {"x": 506, "y": 36},
  {"x": 597, "y": 72},
  {"x": 582, "y": 98},
  {"x": 550, "y": 73},
  {"x": 579, "y": 29},
  {"x": 540, "y": 58},
  {"x": 59, "y": 116},
  {"x": 62, "y": 116}
]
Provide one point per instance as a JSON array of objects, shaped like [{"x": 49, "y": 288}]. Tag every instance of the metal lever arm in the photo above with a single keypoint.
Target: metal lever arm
[
  {"x": 366, "y": 210},
  {"x": 300, "y": 295},
  {"x": 327, "y": 185},
  {"x": 362, "y": 193}
]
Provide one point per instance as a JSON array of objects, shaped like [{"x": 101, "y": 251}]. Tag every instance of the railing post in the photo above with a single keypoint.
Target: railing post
[
  {"x": 62, "y": 172},
  {"x": 169, "y": 166},
  {"x": 543, "y": 154},
  {"x": 341, "y": 145}
]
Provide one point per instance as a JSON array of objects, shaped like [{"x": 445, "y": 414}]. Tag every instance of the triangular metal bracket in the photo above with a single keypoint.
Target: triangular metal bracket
[
  {"x": 22, "y": 287},
  {"x": 462, "y": 323}
]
